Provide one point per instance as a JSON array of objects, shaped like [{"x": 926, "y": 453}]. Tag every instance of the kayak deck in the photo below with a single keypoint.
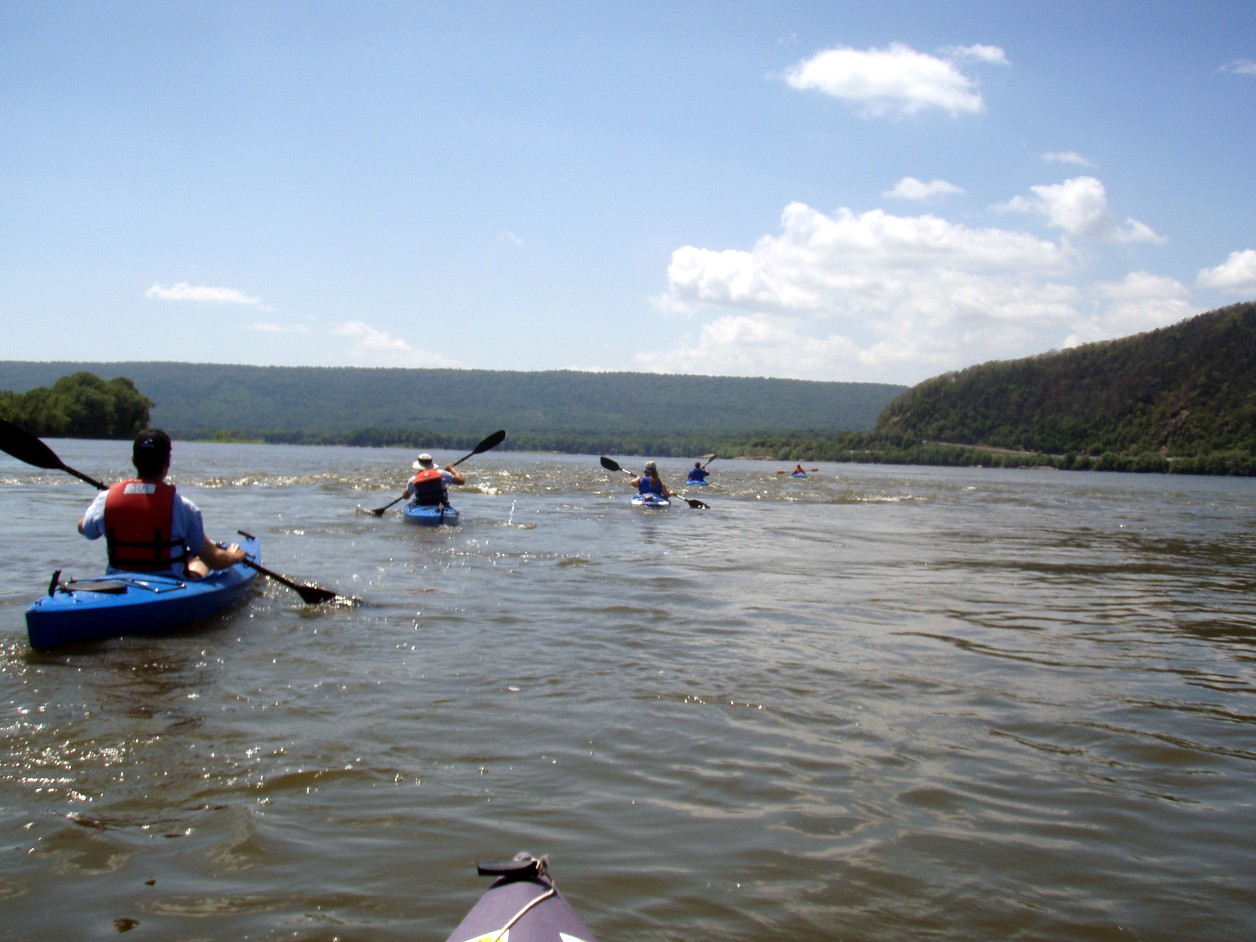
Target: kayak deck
[
  {"x": 522, "y": 905},
  {"x": 132, "y": 603}
]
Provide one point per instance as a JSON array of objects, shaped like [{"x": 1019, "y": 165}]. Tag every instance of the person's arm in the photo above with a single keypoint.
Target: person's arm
[
  {"x": 92, "y": 523},
  {"x": 454, "y": 474},
  {"x": 221, "y": 557},
  {"x": 190, "y": 525}
]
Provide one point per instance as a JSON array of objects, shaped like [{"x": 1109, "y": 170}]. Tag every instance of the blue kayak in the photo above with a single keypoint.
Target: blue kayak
[
  {"x": 695, "y": 482},
  {"x": 431, "y": 515},
  {"x": 651, "y": 502},
  {"x": 135, "y": 603},
  {"x": 798, "y": 474},
  {"x": 522, "y": 905}
]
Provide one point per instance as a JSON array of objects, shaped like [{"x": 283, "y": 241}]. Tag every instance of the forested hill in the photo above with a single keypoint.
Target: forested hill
[
  {"x": 550, "y": 410},
  {"x": 1184, "y": 390}
]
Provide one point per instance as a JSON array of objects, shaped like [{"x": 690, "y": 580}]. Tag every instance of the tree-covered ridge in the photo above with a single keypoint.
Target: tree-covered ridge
[
  {"x": 1184, "y": 391},
  {"x": 1181, "y": 399},
  {"x": 551, "y": 410},
  {"x": 80, "y": 405}
]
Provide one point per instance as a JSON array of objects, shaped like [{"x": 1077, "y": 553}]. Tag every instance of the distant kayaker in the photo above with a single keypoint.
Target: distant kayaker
[
  {"x": 798, "y": 470},
  {"x": 649, "y": 482},
  {"x": 698, "y": 474},
  {"x": 147, "y": 526},
  {"x": 430, "y": 486}
]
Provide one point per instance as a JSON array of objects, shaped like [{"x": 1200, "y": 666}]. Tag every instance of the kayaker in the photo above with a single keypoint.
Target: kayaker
[
  {"x": 431, "y": 486},
  {"x": 649, "y": 482},
  {"x": 698, "y": 474},
  {"x": 798, "y": 470},
  {"x": 147, "y": 526}
]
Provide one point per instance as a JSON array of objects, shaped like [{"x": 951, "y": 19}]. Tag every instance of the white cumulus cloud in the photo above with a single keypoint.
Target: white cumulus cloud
[
  {"x": 1240, "y": 67},
  {"x": 182, "y": 291},
  {"x": 1079, "y": 208},
  {"x": 895, "y": 80},
  {"x": 1137, "y": 303},
  {"x": 268, "y": 327},
  {"x": 909, "y": 188},
  {"x": 369, "y": 346},
  {"x": 1238, "y": 272},
  {"x": 866, "y": 294},
  {"x": 1066, "y": 157},
  {"x": 978, "y": 53}
]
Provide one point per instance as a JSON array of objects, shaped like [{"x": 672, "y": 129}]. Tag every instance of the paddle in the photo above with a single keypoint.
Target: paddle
[
  {"x": 611, "y": 465},
  {"x": 489, "y": 443},
  {"x": 24, "y": 446},
  {"x": 310, "y": 593}
]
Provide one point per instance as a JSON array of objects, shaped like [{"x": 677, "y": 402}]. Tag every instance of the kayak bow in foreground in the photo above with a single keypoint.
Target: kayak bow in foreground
[{"x": 522, "y": 905}]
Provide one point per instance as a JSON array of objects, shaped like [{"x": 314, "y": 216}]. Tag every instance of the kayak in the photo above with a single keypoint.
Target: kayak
[
  {"x": 696, "y": 483},
  {"x": 650, "y": 502},
  {"x": 135, "y": 603},
  {"x": 798, "y": 474},
  {"x": 522, "y": 905},
  {"x": 431, "y": 515}
]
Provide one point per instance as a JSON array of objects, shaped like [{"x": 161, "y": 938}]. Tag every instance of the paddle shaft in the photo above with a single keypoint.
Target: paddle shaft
[{"x": 310, "y": 594}]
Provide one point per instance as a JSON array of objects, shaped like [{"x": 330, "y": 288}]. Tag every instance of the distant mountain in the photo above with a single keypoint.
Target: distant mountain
[
  {"x": 548, "y": 410},
  {"x": 1188, "y": 391}
]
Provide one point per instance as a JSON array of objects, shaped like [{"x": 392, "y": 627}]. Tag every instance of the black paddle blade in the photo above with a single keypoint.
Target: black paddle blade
[
  {"x": 25, "y": 447},
  {"x": 610, "y": 465},
  {"x": 491, "y": 442},
  {"x": 695, "y": 504},
  {"x": 310, "y": 594},
  {"x": 379, "y": 511},
  {"x": 315, "y": 595}
]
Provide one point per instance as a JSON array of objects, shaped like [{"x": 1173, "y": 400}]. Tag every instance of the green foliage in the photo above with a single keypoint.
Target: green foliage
[
  {"x": 557, "y": 410},
  {"x": 1182, "y": 397},
  {"x": 80, "y": 405},
  {"x": 1178, "y": 400}
]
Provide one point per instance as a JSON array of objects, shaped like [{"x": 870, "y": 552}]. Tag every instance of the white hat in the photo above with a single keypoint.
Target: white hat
[{"x": 423, "y": 461}]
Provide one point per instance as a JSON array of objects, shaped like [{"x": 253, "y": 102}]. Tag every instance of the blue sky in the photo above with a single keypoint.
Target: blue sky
[{"x": 835, "y": 191}]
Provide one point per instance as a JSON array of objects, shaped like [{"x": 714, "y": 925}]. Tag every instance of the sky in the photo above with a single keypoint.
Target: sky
[{"x": 839, "y": 191}]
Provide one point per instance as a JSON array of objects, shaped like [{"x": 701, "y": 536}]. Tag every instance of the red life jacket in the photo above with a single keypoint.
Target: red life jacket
[
  {"x": 138, "y": 524},
  {"x": 429, "y": 488}
]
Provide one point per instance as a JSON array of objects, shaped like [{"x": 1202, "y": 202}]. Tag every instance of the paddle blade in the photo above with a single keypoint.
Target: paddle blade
[
  {"x": 379, "y": 511},
  {"x": 491, "y": 442},
  {"x": 610, "y": 465},
  {"x": 315, "y": 595},
  {"x": 310, "y": 594},
  {"x": 24, "y": 446}
]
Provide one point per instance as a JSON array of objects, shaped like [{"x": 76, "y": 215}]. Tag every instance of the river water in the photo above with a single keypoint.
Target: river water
[{"x": 879, "y": 703}]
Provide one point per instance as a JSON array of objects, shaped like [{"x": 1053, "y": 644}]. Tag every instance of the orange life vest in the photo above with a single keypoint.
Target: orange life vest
[
  {"x": 429, "y": 488},
  {"x": 138, "y": 525}
]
